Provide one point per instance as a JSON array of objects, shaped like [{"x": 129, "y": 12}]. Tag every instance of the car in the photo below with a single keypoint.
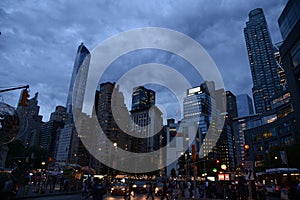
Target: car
[
  {"x": 118, "y": 189},
  {"x": 140, "y": 186}
]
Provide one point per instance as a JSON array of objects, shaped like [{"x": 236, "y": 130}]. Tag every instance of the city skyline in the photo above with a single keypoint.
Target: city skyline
[{"x": 47, "y": 51}]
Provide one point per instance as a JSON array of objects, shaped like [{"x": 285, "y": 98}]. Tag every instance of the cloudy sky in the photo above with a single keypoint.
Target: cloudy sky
[{"x": 39, "y": 39}]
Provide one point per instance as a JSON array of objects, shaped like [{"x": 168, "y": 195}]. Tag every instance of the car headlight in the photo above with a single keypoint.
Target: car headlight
[{"x": 134, "y": 186}]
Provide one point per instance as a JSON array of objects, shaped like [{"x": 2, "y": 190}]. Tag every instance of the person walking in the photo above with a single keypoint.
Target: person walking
[
  {"x": 130, "y": 190},
  {"x": 98, "y": 189},
  {"x": 84, "y": 190},
  {"x": 150, "y": 191},
  {"x": 165, "y": 191}
]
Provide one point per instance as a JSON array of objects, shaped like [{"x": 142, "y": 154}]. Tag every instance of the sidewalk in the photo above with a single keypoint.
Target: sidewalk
[{"x": 33, "y": 192}]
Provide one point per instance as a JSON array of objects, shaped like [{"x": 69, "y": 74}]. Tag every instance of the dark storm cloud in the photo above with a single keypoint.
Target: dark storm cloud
[{"x": 39, "y": 38}]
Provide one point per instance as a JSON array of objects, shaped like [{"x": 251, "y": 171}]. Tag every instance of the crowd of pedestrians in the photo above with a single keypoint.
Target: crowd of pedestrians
[{"x": 168, "y": 189}]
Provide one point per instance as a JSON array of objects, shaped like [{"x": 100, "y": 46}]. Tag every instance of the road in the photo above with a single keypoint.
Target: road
[{"x": 78, "y": 197}]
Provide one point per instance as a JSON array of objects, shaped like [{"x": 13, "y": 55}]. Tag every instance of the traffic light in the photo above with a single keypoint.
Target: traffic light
[
  {"x": 24, "y": 98},
  {"x": 246, "y": 151}
]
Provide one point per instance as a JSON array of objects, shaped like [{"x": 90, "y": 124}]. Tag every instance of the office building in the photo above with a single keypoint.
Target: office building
[
  {"x": 30, "y": 122},
  {"x": 244, "y": 105},
  {"x": 197, "y": 109},
  {"x": 289, "y": 25},
  {"x": 82, "y": 61},
  {"x": 263, "y": 65},
  {"x": 50, "y": 130},
  {"x": 146, "y": 120}
]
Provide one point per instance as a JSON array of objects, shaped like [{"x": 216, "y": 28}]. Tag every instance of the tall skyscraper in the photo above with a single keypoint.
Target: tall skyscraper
[
  {"x": 225, "y": 150},
  {"x": 263, "y": 65},
  {"x": 244, "y": 105},
  {"x": 289, "y": 18},
  {"x": 142, "y": 98},
  {"x": 50, "y": 130},
  {"x": 82, "y": 59},
  {"x": 107, "y": 98},
  {"x": 70, "y": 148},
  {"x": 289, "y": 24},
  {"x": 197, "y": 109},
  {"x": 146, "y": 119}
]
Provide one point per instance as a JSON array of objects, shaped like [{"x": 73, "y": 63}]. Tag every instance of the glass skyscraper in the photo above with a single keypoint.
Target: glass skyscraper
[
  {"x": 263, "y": 65},
  {"x": 142, "y": 98},
  {"x": 244, "y": 105},
  {"x": 82, "y": 54}
]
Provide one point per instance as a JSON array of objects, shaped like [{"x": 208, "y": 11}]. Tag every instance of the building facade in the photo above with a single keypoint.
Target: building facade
[
  {"x": 263, "y": 65},
  {"x": 289, "y": 24},
  {"x": 82, "y": 61},
  {"x": 30, "y": 122},
  {"x": 146, "y": 122},
  {"x": 244, "y": 105}
]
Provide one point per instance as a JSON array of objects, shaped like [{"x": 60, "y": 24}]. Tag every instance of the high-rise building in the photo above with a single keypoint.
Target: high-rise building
[
  {"x": 50, "y": 130},
  {"x": 60, "y": 114},
  {"x": 70, "y": 149},
  {"x": 289, "y": 24},
  {"x": 225, "y": 150},
  {"x": 64, "y": 146},
  {"x": 142, "y": 98},
  {"x": 146, "y": 119},
  {"x": 30, "y": 122},
  {"x": 197, "y": 109},
  {"x": 289, "y": 18},
  {"x": 82, "y": 60},
  {"x": 241, "y": 124},
  {"x": 281, "y": 73},
  {"x": 263, "y": 65},
  {"x": 244, "y": 105},
  {"x": 108, "y": 98},
  {"x": 231, "y": 104},
  {"x": 170, "y": 133}
]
